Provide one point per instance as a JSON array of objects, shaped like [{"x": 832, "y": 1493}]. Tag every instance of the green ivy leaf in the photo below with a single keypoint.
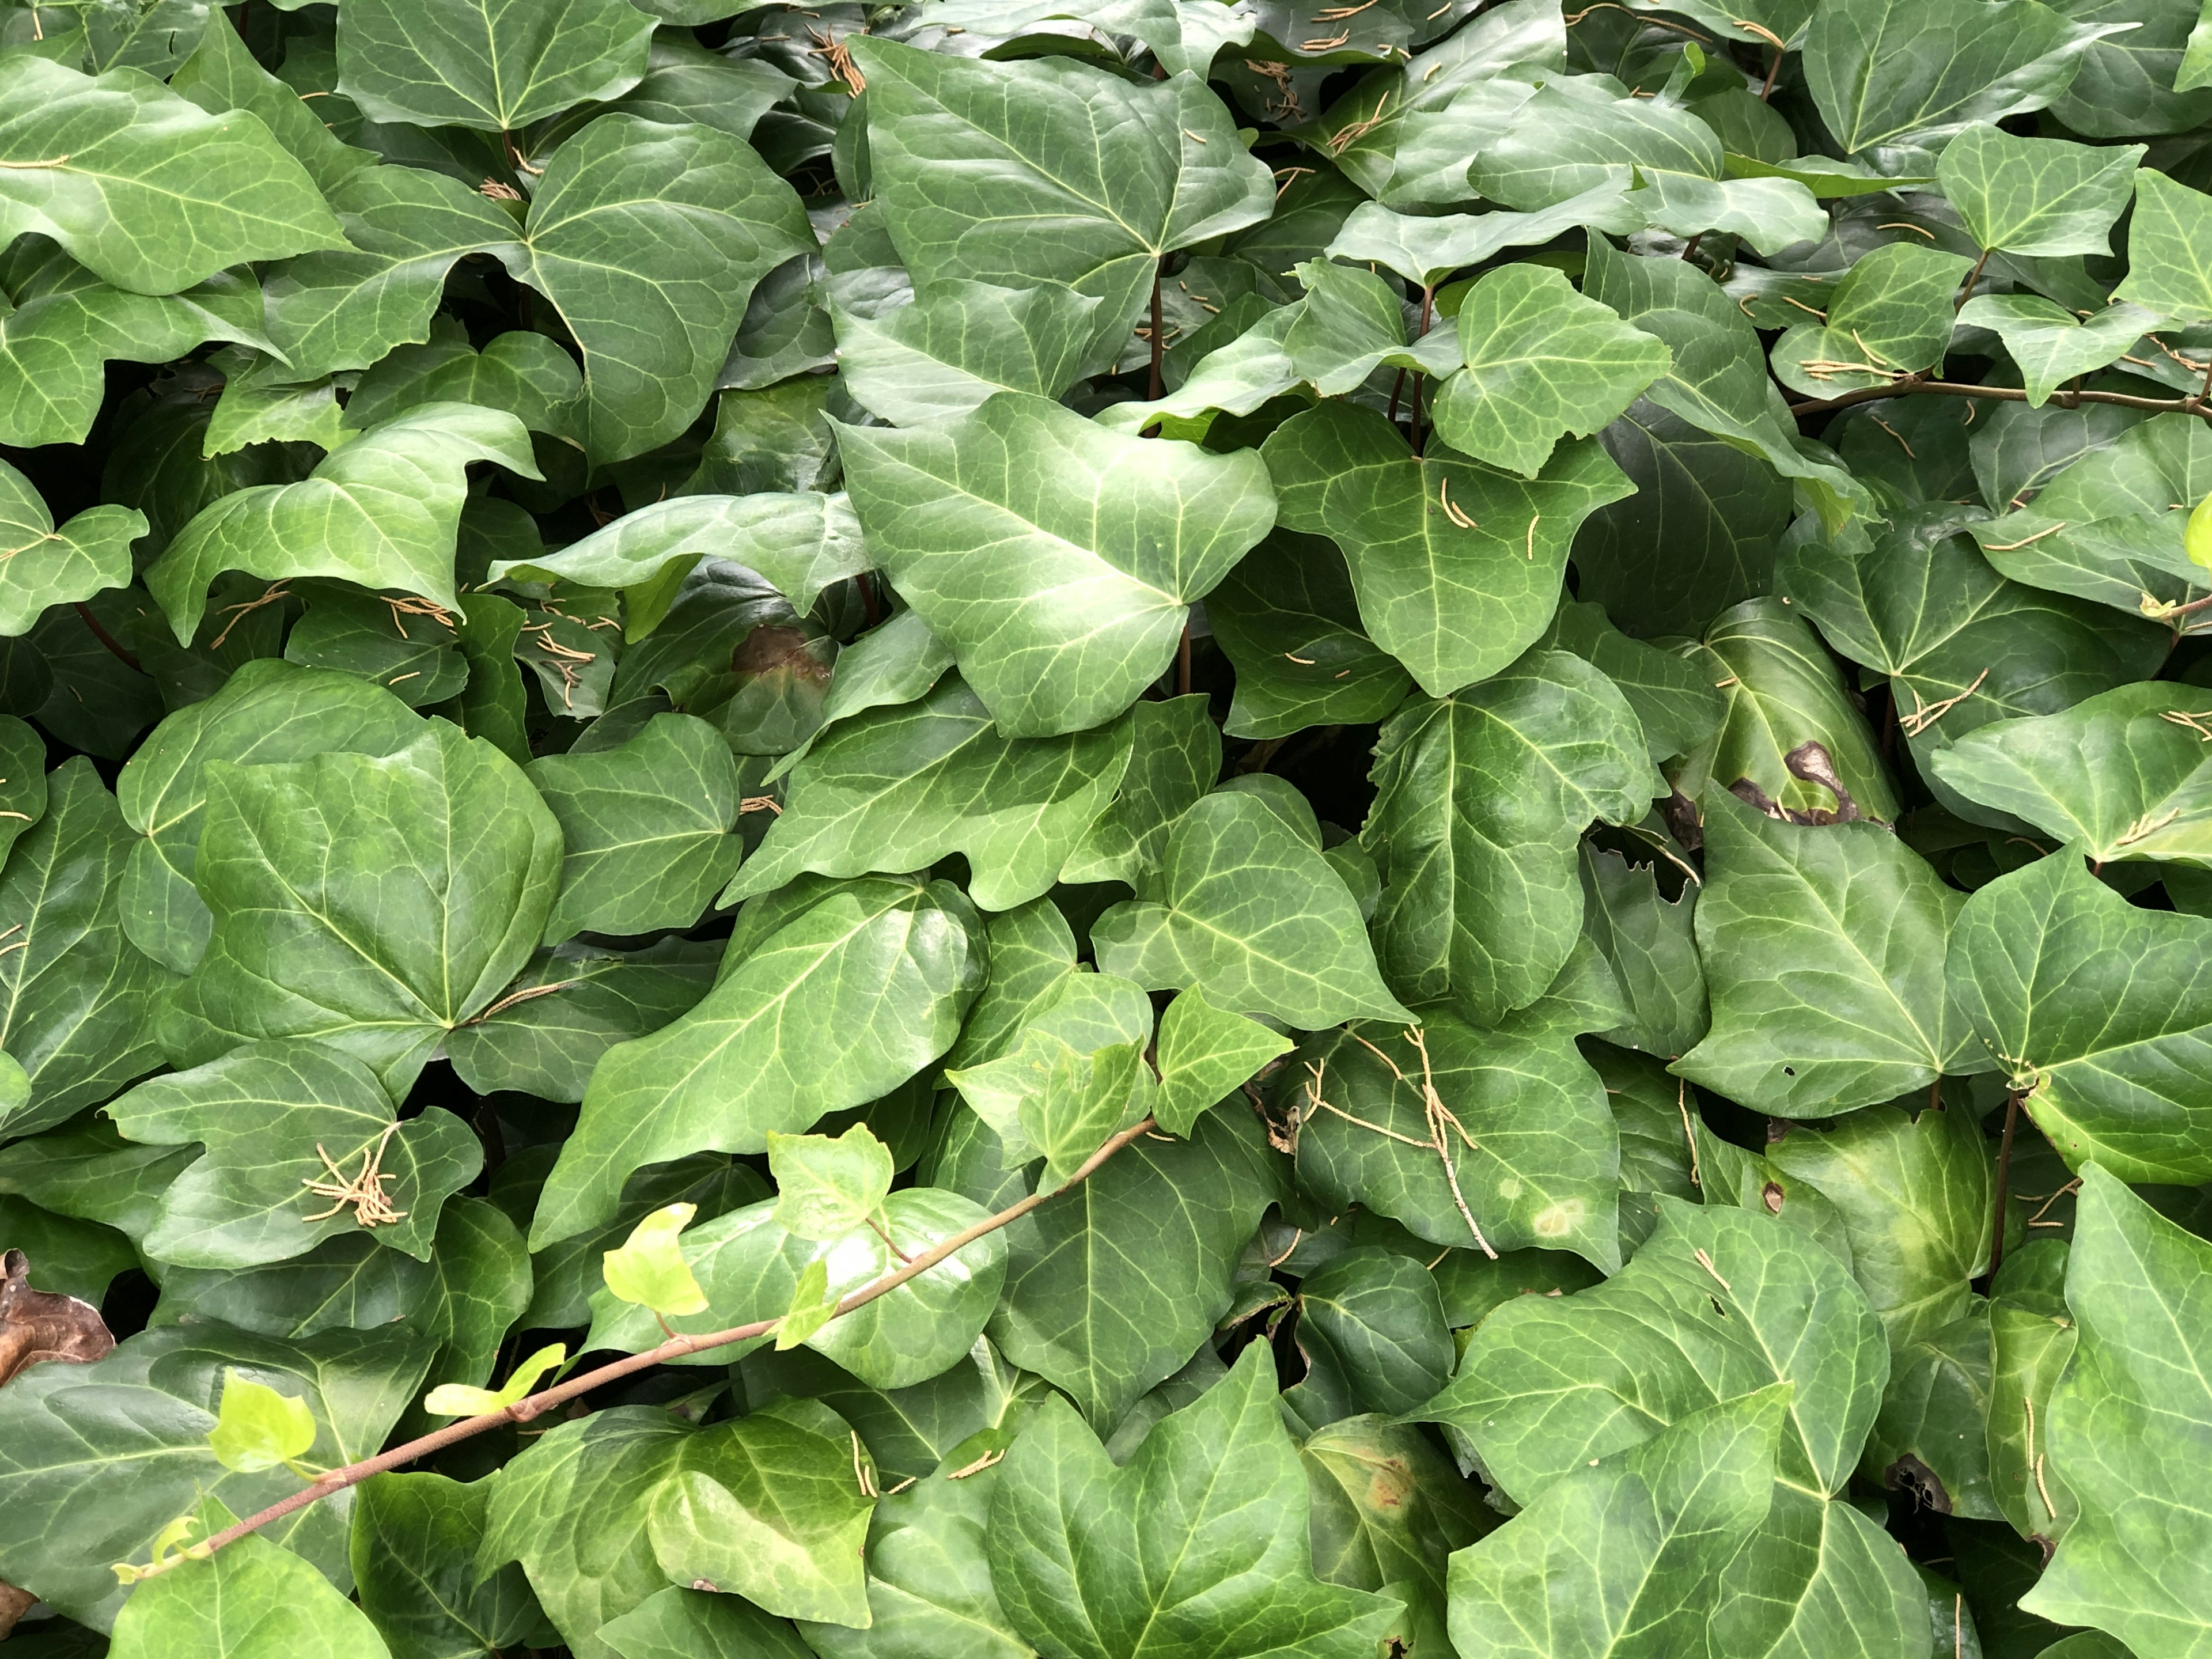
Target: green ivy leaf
[
  {"x": 826, "y": 1187},
  {"x": 1626, "y": 1558},
  {"x": 2135, "y": 1284},
  {"x": 1204, "y": 1527},
  {"x": 899, "y": 787},
  {"x": 1542, "y": 361},
  {"x": 987, "y": 174},
  {"x": 888, "y": 966},
  {"x": 413, "y": 1556},
  {"x": 402, "y": 854},
  {"x": 1367, "y": 1134},
  {"x": 691, "y": 1624},
  {"x": 2167, "y": 269},
  {"x": 1205, "y": 1054},
  {"x": 1056, "y": 559},
  {"x": 281, "y": 1121},
  {"x": 2122, "y": 775},
  {"x": 645, "y": 828},
  {"x": 2099, "y": 1076},
  {"x": 1252, "y": 912},
  {"x": 384, "y": 511},
  {"x": 496, "y": 67},
  {"x": 961, "y": 343},
  {"x": 1820, "y": 944},
  {"x": 2039, "y": 197},
  {"x": 44, "y": 566},
  {"x": 1479, "y": 801},
  {"x": 252, "y": 1600},
  {"x": 1891, "y": 315},
  {"x": 151, "y": 192}
]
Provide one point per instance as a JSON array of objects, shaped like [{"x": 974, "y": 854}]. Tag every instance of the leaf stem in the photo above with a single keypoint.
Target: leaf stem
[
  {"x": 2004, "y": 1180},
  {"x": 677, "y": 1347},
  {"x": 1154, "y": 385},
  {"x": 1972, "y": 278},
  {"x": 114, "y": 646},
  {"x": 1183, "y": 662}
]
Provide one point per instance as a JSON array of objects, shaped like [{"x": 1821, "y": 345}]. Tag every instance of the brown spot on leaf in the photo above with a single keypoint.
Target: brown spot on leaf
[
  {"x": 1772, "y": 1194},
  {"x": 778, "y": 646}
]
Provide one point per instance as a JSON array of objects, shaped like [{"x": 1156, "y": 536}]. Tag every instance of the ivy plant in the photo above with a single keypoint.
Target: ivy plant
[{"x": 1152, "y": 830}]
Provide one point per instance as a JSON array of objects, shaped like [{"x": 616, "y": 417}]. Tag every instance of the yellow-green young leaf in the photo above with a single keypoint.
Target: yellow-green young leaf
[
  {"x": 1204, "y": 1053},
  {"x": 455, "y": 1399},
  {"x": 827, "y": 1187},
  {"x": 2197, "y": 538},
  {"x": 649, "y": 1268},
  {"x": 257, "y": 1427},
  {"x": 811, "y": 1305},
  {"x": 168, "y": 1545}
]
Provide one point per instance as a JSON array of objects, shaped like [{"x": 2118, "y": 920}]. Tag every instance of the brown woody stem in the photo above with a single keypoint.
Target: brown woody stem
[
  {"x": 2004, "y": 1181},
  {"x": 675, "y": 1348},
  {"x": 2193, "y": 405}
]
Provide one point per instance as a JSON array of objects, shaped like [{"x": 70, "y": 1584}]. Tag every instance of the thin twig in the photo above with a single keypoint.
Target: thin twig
[
  {"x": 114, "y": 646},
  {"x": 537, "y": 1405},
  {"x": 2004, "y": 1177},
  {"x": 1913, "y": 385}
]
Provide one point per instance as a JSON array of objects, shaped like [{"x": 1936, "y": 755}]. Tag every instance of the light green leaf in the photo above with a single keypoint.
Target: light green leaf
[
  {"x": 1050, "y": 170},
  {"x": 802, "y": 542},
  {"x": 1388, "y": 1507},
  {"x": 752, "y": 1267},
  {"x": 281, "y": 1121},
  {"x": 649, "y": 1269},
  {"x": 1770, "y": 214},
  {"x": 257, "y": 1427},
  {"x": 1205, "y": 1054},
  {"x": 375, "y": 902},
  {"x": 1649, "y": 942},
  {"x": 1479, "y": 801},
  {"x": 1542, "y": 361},
  {"x": 2135, "y": 1561},
  {"x": 384, "y": 512},
  {"x": 1820, "y": 944},
  {"x": 459, "y": 1399},
  {"x": 254, "y": 1599},
  {"x": 2169, "y": 268},
  {"x": 1184, "y": 36},
  {"x": 2032, "y": 1341},
  {"x": 77, "y": 1002},
  {"x": 414, "y": 1566},
  {"x": 1425, "y": 250},
  {"x": 1533, "y": 1157},
  {"x": 1106, "y": 1324},
  {"x": 769, "y": 1508},
  {"x": 2123, "y": 774},
  {"x": 1352, "y": 323},
  {"x": 1202, "y": 1531},
  {"x": 1457, "y": 566},
  {"x": 2039, "y": 197},
  {"x": 528, "y": 375},
  {"x": 1914, "y": 1196},
  {"x": 1626, "y": 1559},
  {"x": 2050, "y": 343},
  {"x": 888, "y": 967},
  {"x": 2104, "y": 1072},
  {"x": 42, "y": 566},
  {"x": 898, "y": 788},
  {"x": 825, "y": 1186},
  {"x": 645, "y": 828},
  {"x": 1576, "y": 133},
  {"x": 1891, "y": 315},
  {"x": 2105, "y": 527},
  {"x": 151, "y": 191},
  {"x": 495, "y": 65},
  {"x": 960, "y": 343},
  {"x": 1254, "y": 914},
  {"x": 895, "y": 662},
  {"x": 1056, "y": 559},
  {"x": 1912, "y": 73}
]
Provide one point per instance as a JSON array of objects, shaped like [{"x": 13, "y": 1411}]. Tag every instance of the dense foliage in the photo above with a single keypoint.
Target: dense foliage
[{"x": 1151, "y": 831}]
